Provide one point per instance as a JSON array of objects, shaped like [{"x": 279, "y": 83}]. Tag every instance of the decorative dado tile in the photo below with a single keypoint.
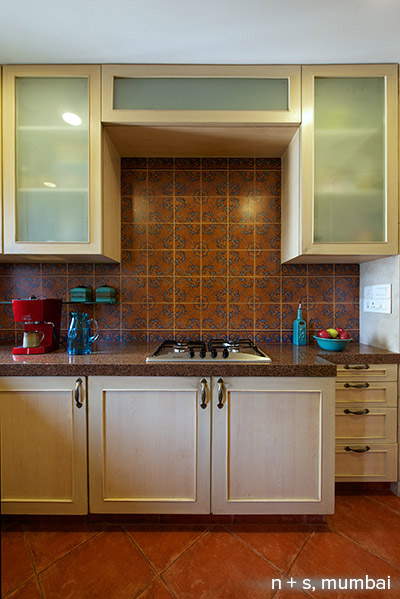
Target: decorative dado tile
[
  {"x": 55, "y": 287},
  {"x": 320, "y": 289},
  {"x": 186, "y": 288},
  {"x": 241, "y": 237},
  {"x": 134, "y": 237},
  {"x": 32, "y": 269},
  {"x": 267, "y": 317},
  {"x": 161, "y": 316},
  {"x": 133, "y": 316},
  {"x": 187, "y": 263},
  {"x": 238, "y": 335},
  {"x": 214, "y": 182},
  {"x": 28, "y": 285},
  {"x": 160, "y": 237},
  {"x": 187, "y": 316},
  {"x": 191, "y": 335},
  {"x": 214, "y": 163},
  {"x": 161, "y": 263},
  {"x": 240, "y": 317},
  {"x": 241, "y": 263},
  {"x": 214, "y": 236},
  {"x": 268, "y": 337},
  {"x": 187, "y": 163},
  {"x": 108, "y": 317},
  {"x": 346, "y": 316},
  {"x": 214, "y": 289},
  {"x": 187, "y": 210},
  {"x": 241, "y": 183},
  {"x": 241, "y": 209},
  {"x": 6, "y": 317},
  {"x": 160, "y": 289},
  {"x": 214, "y": 209},
  {"x": 289, "y": 314},
  {"x": 159, "y": 336},
  {"x": 161, "y": 183},
  {"x": 133, "y": 182},
  {"x": 160, "y": 209},
  {"x": 267, "y": 210},
  {"x": 187, "y": 183},
  {"x": 321, "y": 316},
  {"x": 56, "y": 269},
  {"x": 268, "y": 263},
  {"x": 214, "y": 263},
  {"x": 268, "y": 183},
  {"x": 294, "y": 269},
  {"x": 241, "y": 163},
  {"x": 268, "y": 289},
  {"x": 133, "y": 163},
  {"x": 268, "y": 236},
  {"x": 7, "y": 289},
  {"x": 240, "y": 289},
  {"x": 107, "y": 269},
  {"x": 294, "y": 289},
  {"x": 160, "y": 163},
  {"x": 187, "y": 237},
  {"x": 133, "y": 262},
  {"x": 347, "y": 289},
  {"x": 320, "y": 269},
  {"x": 268, "y": 164},
  {"x": 347, "y": 269},
  {"x": 133, "y": 289},
  {"x": 215, "y": 334},
  {"x": 214, "y": 317}
]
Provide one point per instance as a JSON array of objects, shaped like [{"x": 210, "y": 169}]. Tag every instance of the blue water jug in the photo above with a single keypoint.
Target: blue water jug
[{"x": 80, "y": 336}]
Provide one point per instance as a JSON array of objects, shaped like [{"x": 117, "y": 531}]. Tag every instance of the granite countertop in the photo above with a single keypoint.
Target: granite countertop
[{"x": 129, "y": 360}]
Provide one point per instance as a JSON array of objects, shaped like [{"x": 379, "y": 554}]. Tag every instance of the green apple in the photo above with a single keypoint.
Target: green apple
[{"x": 333, "y": 333}]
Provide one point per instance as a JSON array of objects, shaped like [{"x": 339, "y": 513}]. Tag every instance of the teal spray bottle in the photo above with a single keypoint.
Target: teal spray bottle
[{"x": 299, "y": 329}]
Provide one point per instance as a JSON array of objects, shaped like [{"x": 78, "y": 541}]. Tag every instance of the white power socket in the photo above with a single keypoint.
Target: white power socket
[{"x": 383, "y": 306}]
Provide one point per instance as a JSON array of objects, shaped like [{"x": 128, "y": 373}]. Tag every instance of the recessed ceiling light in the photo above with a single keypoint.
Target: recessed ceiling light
[
  {"x": 49, "y": 184},
  {"x": 71, "y": 118}
]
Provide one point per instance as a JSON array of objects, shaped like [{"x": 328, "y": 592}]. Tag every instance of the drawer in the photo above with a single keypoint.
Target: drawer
[
  {"x": 365, "y": 393},
  {"x": 367, "y": 372},
  {"x": 379, "y": 463},
  {"x": 375, "y": 425}
]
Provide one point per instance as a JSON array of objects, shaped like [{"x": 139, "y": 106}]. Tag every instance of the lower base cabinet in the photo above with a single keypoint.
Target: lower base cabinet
[
  {"x": 235, "y": 445},
  {"x": 43, "y": 445}
]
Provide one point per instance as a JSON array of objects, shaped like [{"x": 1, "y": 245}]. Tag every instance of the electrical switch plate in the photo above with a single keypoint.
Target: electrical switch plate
[
  {"x": 368, "y": 291},
  {"x": 383, "y": 306},
  {"x": 382, "y": 291}
]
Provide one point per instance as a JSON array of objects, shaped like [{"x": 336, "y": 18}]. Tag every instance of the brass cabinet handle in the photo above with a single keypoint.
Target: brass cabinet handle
[
  {"x": 220, "y": 384},
  {"x": 356, "y": 412},
  {"x": 358, "y": 367},
  {"x": 357, "y": 449},
  {"x": 357, "y": 386},
  {"x": 78, "y": 393},
  {"x": 203, "y": 393}
]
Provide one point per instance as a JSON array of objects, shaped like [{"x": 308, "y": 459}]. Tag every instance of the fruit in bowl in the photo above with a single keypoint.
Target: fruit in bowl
[{"x": 333, "y": 339}]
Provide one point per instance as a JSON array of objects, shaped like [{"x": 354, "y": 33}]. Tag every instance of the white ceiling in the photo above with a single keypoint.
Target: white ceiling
[{"x": 200, "y": 31}]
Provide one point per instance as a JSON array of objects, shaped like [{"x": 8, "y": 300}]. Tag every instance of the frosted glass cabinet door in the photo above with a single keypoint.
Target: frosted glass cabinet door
[
  {"x": 52, "y": 159},
  {"x": 57, "y": 164}
]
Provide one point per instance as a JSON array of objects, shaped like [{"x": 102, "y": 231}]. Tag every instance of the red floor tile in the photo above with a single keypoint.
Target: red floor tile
[
  {"x": 388, "y": 499},
  {"x": 156, "y": 590},
  {"x": 290, "y": 594},
  {"x": 370, "y": 524},
  {"x": 29, "y": 590},
  {"x": 163, "y": 544},
  {"x": 16, "y": 562},
  {"x": 329, "y": 555},
  {"x": 278, "y": 544},
  {"x": 220, "y": 566},
  {"x": 49, "y": 545},
  {"x": 108, "y": 565}
]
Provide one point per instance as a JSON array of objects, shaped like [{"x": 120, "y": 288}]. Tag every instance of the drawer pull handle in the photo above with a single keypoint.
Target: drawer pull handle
[
  {"x": 203, "y": 393},
  {"x": 356, "y": 412},
  {"x": 357, "y": 386},
  {"x": 77, "y": 392},
  {"x": 357, "y": 449},
  {"x": 220, "y": 384},
  {"x": 358, "y": 367}
]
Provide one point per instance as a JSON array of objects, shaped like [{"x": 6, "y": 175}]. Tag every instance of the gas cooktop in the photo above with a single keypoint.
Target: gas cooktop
[{"x": 216, "y": 350}]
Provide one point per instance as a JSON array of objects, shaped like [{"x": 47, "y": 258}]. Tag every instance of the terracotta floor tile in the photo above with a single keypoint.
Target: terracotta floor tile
[
  {"x": 163, "y": 544},
  {"x": 156, "y": 590},
  {"x": 49, "y": 545},
  {"x": 220, "y": 566},
  {"x": 329, "y": 555},
  {"x": 369, "y": 523},
  {"x": 290, "y": 594},
  {"x": 279, "y": 544},
  {"x": 29, "y": 590},
  {"x": 388, "y": 499},
  {"x": 108, "y": 565},
  {"x": 16, "y": 562}
]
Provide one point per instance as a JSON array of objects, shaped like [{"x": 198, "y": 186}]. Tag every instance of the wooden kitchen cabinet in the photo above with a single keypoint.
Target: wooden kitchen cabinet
[
  {"x": 150, "y": 445},
  {"x": 61, "y": 171},
  {"x": 366, "y": 423},
  {"x": 340, "y": 172},
  {"x": 43, "y": 445}
]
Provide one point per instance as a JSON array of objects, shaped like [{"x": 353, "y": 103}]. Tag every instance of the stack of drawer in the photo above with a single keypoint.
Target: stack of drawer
[{"x": 366, "y": 422}]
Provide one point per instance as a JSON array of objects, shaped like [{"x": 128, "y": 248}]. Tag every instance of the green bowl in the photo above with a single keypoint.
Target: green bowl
[{"x": 332, "y": 344}]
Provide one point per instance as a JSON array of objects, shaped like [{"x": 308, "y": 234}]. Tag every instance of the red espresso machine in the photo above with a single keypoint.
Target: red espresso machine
[{"x": 41, "y": 319}]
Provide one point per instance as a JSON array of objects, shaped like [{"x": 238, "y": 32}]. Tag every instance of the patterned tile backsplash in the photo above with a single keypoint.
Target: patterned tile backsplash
[{"x": 200, "y": 257}]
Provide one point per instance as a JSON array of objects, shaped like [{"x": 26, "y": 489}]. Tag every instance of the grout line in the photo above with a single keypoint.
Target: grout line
[
  {"x": 253, "y": 549},
  {"x": 33, "y": 563}
]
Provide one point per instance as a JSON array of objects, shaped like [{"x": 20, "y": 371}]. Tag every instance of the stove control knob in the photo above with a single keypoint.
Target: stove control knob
[
  {"x": 214, "y": 353},
  {"x": 191, "y": 352},
  {"x": 225, "y": 353},
  {"x": 202, "y": 353}
]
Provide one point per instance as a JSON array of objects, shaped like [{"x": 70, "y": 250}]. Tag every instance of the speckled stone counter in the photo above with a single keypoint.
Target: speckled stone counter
[{"x": 129, "y": 360}]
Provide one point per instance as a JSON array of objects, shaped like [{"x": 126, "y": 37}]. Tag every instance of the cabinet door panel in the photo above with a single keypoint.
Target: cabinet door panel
[
  {"x": 43, "y": 447},
  {"x": 149, "y": 446},
  {"x": 273, "y": 447}
]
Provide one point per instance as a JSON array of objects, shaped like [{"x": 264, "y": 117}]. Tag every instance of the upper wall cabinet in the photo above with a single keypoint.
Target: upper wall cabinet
[
  {"x": 200, "y": 94},
  {"x": 340, "y": 172},
  {"x": 61, "y": 172}
]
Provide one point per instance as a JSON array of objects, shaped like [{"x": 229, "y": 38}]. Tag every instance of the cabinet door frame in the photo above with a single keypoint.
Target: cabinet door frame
[
  {"x": 77, "y": 503},
  {"x": 222, "y": 426},
  {"x": 204, "y": 117},
  {"x": 78, "y": 250},
  {"x": 98, "y": 501},
  {"x": 298, "y": 245}
]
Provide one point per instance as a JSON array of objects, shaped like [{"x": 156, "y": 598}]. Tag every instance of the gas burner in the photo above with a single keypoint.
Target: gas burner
[{"x": 227, "y": 350}]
